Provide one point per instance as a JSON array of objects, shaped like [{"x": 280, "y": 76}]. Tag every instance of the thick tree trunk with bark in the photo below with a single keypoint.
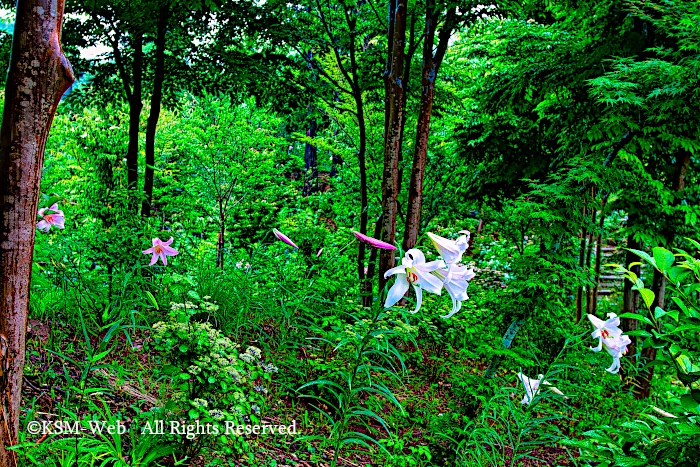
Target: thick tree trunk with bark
[
  {"x": 431, "y": 65},
  {"x": 154, "y": 113},
  {"x": 39, "y": 74},
  {"x": 392, "y": 140}
]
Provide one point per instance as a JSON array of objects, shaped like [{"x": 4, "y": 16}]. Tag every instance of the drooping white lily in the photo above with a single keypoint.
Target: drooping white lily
[
  {"x": 608, "y": 329},
  {"x": 532, "y": 387},
  {"x": 455, "y": 278},
  {"x": 416, "y": 272},
  {"x": 451, "y": 250},
  {"x": 616, "y": 347}
]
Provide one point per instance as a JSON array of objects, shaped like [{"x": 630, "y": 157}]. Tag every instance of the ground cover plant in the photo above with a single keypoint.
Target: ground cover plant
[{"x": 241, "y": 233}]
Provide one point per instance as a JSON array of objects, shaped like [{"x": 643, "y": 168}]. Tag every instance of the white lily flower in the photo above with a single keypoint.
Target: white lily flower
[
  {"x": 416, "y": 272},
  {"x": 451, "y": 250},
  {"x": 616, "y": 347},
  {"x": 608, "y": 329},
  {"x": 455, "y": 278},
  {"x": 532, "y": 387}
]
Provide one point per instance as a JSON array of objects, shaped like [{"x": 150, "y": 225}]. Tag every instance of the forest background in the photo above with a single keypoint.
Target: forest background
[{"x": 562, "y": 135}]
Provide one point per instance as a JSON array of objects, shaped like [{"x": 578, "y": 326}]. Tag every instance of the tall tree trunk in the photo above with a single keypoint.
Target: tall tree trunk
[
  {"x": 392, "y": 140},
  {"x": 659, "y": 281},
  {"x": 431, "y": 65},
  {"x": 581, "y": 263},
  {"x": 222, "y": 233},
  {"x": 39, "y": 74},
  {"x": 598, "y": 249},
  {"x": 630, "y": 297},
  {"x": 135, "y": 107},
  {"x": 387, "y": 72},
  {"x": 589, "y": 251},
  {"x": 408, "y": 58},
  {"x": 310, "y": 162},
  {"x": 154, "y": 113},
  {"x": 371, "y": 265}
]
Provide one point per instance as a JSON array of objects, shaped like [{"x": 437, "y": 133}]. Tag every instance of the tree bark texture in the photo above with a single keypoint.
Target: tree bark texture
[
  {"x": 390, "y": 182},
  {"x": 39, "y": 74},
  {"x": 154, "y": 113},
  {"x": 431, "y": 65}
]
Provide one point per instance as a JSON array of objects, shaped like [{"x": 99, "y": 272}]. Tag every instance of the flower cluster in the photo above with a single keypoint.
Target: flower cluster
[
  {"x": 610, "y": 336},
  {"x": 434, "y": 275}
]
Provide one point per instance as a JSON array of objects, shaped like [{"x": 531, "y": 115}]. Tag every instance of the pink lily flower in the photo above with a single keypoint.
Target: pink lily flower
[
  {"x": 319, "y": 252},
  {"x": 373, "y": 241},
  {"x": 160, "y": 250},
  {"x": 47, "y": 220},
  {"x": 284, "y": 238}
]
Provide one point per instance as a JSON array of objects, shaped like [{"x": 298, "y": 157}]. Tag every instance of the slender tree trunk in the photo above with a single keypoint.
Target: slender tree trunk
[
  {"x": 387, "y": 72},
  {"x": 135, "y": 107},
  {"x": 643, "y": 382},
  {"x": 364, "y": 199},
  {"x": 220, "y": 240},
  {"x": 352, "y": 77},
  {"x": 431, "y": 65},
  {"x": 310, "y": 162},
  {"x": 589, "y": 250},
  {"x": 581, "y": 262},
  {"x": 630, "y": 297},
  {"x": 392, "y": 141},
  {"x": 154, "y": 113},
  {"x": 371, "y": 266},
  {"x": 598, "y": 248},
  {"x": 39, "y": 74},
  {"x": 659, "y": 282},
  {"x": 408, "y": 58}
]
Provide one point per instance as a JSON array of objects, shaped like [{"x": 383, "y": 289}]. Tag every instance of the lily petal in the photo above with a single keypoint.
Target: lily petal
[
  {"x": 154, "y": 259},
  {"x": 43, "y": 226},
  {"x": 169, "y": 251},
  {"x": 59, "y": 221},
  {"x": 429, "y": 282},
  {"x": 397, "y": 270},
  {"x": 419, "y": 298},
  {"x": 397, "y": 291}
]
